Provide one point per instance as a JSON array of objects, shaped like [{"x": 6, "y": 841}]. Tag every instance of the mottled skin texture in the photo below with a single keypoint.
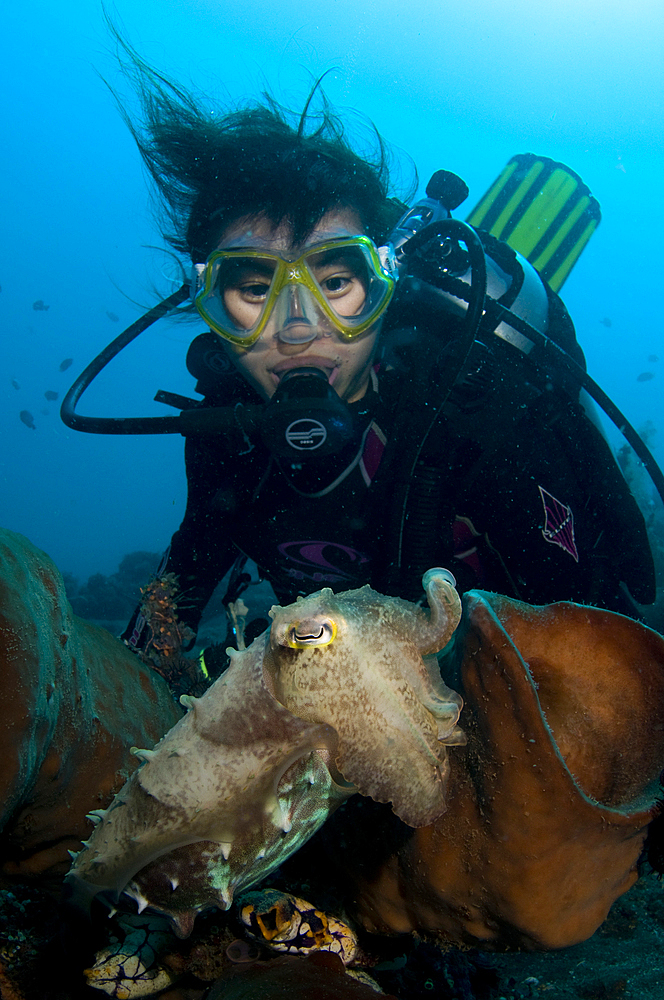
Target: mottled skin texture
[
  {"x": 73, "y": 698},
  {"x": 549, "y": 802},
  {"x": 232, "y": 789},
  {"x": 292, "y": 729},
  {"x": 388, "y": 704}
]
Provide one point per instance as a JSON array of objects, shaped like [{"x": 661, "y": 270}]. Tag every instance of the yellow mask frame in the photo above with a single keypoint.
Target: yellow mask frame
[{"x": 288, "y": 272}]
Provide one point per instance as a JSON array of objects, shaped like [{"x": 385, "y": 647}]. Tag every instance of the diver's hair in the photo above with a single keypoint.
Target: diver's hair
[{"x": 213, "y": 166}]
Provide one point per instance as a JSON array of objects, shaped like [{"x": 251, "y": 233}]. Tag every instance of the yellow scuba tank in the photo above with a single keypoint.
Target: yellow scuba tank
[{"x": 543, "y": 210}]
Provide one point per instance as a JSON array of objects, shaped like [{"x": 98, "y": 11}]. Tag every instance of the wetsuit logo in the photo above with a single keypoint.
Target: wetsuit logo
[
  {"x": 306, "y": 434},
  {"x": 558, "y": 524},
  {"x": 323, "y": 562}
]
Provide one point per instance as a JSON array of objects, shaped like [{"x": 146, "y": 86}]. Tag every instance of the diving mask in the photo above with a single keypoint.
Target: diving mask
[{"x": 338, "y": 286}]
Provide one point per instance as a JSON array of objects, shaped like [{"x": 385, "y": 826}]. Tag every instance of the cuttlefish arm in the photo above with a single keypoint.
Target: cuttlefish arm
[{"x": 445, "y": 613}]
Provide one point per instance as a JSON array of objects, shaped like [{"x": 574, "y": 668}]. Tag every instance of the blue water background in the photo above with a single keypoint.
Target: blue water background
[{"x": 462, "y": 87}]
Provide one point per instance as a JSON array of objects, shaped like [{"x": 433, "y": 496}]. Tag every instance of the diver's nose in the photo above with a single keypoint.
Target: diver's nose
[
  {"x": 294, "y": 326},
  {"x": 294, "y": 305}
]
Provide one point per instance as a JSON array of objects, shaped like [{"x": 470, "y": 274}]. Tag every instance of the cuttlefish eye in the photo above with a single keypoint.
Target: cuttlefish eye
[{"x": 311, "y": 632}]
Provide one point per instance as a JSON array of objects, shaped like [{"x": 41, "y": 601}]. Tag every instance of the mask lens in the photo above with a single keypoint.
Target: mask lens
[
  {"x": 242, "y": 286},
  {"x": 342, "y": 277},
  {"x": 351, "y": 283},
  {"x": 236, "y": 294}
]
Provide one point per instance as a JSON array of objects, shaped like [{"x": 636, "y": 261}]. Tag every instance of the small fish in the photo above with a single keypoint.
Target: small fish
[
  {"x": 111, "y": 315},
  {"x": 40, "y": 306},
  {"x": 50, "y": 395},
  {"x": 645, "y": 376},
  {"x": 28, "y": 419},
  {"x": 15, "y": 384},
  {"x": 606, "y": 322},
  {"x": 67, "y": 363},
  {"x": 652, "y": 358}
]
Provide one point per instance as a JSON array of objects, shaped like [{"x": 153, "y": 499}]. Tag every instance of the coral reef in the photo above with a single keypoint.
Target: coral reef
[
  {"x": 28, "y": 941},
  {"x": 548, "y": 804},
  {"x": 112, "y": 598},
  {"x": 73, "y": 699},
  {"x": 521, "y": 836}
]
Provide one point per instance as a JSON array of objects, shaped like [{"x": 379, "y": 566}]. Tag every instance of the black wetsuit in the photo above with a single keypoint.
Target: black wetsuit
[{"x": 514, "y": 490}]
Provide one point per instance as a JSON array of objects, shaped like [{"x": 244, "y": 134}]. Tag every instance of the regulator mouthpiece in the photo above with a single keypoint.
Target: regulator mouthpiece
[{"x": 306, "y": 418}]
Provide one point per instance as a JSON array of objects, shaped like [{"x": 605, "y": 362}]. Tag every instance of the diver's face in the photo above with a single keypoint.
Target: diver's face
[{"x": 346, "y": 363}]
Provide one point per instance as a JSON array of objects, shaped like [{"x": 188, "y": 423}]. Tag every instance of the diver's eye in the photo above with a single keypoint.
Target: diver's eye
[
  {"x": 336, "y": 285},
  {"x": 254, "y": 291},
  {"x": 311, "y": 632}
]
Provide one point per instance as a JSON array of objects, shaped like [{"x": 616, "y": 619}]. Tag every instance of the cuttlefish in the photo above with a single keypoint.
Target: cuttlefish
[{"x": 341, "y": 695}]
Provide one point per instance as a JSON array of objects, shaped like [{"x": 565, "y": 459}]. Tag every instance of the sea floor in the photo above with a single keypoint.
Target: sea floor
[{"x": 624, "y": 960}]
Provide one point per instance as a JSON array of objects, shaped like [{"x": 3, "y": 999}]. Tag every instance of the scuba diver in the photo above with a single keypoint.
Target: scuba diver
[{"x": 390, "y": 380}]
